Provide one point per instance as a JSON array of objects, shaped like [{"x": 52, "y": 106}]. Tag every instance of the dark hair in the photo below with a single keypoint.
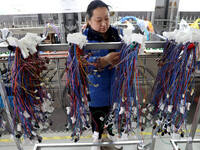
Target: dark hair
[{"x": 93, "y": 5}]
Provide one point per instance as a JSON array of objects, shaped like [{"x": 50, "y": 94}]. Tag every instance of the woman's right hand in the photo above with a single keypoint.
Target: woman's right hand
[{"x": 110, "y": 59}]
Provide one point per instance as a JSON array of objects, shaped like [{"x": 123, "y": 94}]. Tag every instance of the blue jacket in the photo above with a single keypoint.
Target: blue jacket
[{"x": 100, "y": 82}]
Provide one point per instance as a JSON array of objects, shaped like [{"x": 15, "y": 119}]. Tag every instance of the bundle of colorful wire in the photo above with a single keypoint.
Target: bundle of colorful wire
[
  {"x": 173, "y": 92},
  {"x": 125, "y": 92},
  {"x": 78, "y": 94},
  {"x": 32, "y": 102}
]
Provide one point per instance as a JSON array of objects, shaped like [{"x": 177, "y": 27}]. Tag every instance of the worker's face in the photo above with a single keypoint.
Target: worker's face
[{"x": 100, "y": 20}]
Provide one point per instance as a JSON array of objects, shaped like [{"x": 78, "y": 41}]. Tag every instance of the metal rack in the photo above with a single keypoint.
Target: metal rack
[
  {"x": 92, "y": 46},
  {"x": 97, "y": 46},
  {"x": 175, "y": 142}
]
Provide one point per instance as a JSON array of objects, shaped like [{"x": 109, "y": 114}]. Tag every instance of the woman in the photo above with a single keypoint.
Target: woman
[{"x": 99, "y": 30}]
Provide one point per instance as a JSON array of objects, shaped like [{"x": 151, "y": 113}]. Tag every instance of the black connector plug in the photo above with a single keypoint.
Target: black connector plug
[
  {"x": 39, "y": 139},
  {"x": 11, "y": 48},
  {"x": 182, "y": 134}
]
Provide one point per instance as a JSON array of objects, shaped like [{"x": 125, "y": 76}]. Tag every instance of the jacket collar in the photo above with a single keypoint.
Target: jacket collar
[{"x": 93, "y": 35}]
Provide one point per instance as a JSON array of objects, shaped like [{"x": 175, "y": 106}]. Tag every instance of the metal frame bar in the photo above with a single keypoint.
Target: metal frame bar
[
  {"x": 194, "y": 125},
  {"x": 44, "y": 145},
  {"x": 59, "y": 79},
  {"x": 153, "y": 139},
  {"x": 90, "y": 46},
  {"x": 7, "y": 108},
  {"x": 175, "y": 142},
  {"x": 171, "y": 16},
  {"x": 25, "y": 30}
]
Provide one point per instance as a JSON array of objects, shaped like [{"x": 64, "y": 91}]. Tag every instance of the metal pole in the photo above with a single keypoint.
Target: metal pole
[
  {"x": 59, "y": 79},
  {"x": 79, "y": 21},
  {"x": 57, "y": 145},
  {"x": 116, "y": 16},
  {"x": 166, "y": 11},
  {"x": 177, "y": 19},
  {"x": 171, "y": 16},
  {"x": 62, "y": 28},
  {"x": 5, "y": 100},
  {"x": 40, "y": 19},
  {"x": 177, "y": 15},
  {"x": 194, "y": 125},
  {"x": 152, "y": 16},
  {"x": 153, "y": 138}
]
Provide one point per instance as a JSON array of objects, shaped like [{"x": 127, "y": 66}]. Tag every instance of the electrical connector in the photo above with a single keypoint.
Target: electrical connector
[
  {"x": 68, "y": 110},
  {"x": 101, "y": 118},
  {"x": 26, "y": 115},
  {"x": 19, "y": 127},
  {"x": 73, "y": 119},
  {"x": 42, "y": 84},
  {"x": 188, "y": 104},
  {"x": 122, "y": 110},
  {"x": 170, "y": 108}
]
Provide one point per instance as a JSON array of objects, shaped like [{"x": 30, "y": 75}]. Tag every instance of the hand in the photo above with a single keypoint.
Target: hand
[{"x": 110, "y": 59}]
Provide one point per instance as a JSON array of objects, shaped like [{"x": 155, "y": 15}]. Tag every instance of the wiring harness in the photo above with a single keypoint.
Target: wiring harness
[
  {"x": 125, "y": 93},
  {"x": 77, "y": 109},
  {"x": 32, "y": 102},
  {"x": 172, "y": 93}
]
